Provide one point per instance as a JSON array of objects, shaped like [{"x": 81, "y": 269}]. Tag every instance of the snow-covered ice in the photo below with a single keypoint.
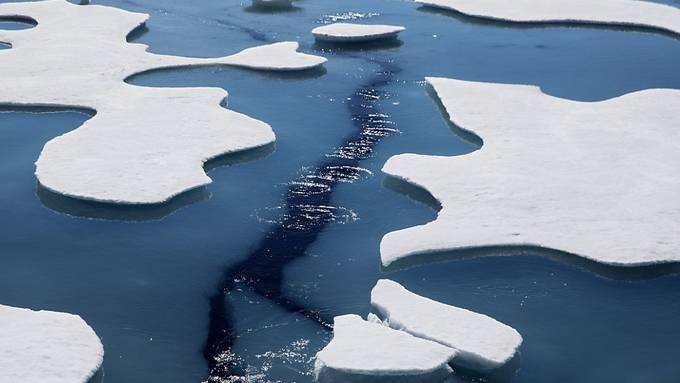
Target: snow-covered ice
[
  {"x": 607, "y": 12},
  {"x": 595, "y": 179},
  {"x": 47, "y": 347},
  {"x": 362, "y": 349},
  {"x": 346, "y": 32},
  {"x": 482, "y": 342},
  {"x": 145, "y": 145}
]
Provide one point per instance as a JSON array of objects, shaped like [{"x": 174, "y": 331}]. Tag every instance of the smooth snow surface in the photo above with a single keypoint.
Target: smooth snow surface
[
  {"x": 345, "y": 32},
  {"x": 145, "y": 145},
  {"x": 596, "y": 179},
  {"x": 47, "y": 347},
  {"x": 482, "y": 342},
  {"x": 360, "y": 349},
  {"x": 610, "y": 12}
]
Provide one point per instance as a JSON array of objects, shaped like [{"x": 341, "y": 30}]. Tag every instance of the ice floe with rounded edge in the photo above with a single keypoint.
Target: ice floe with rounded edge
[
  {"x": 481, "y": 341},
  {"x": 47, "y": 347},
  {"x": 361, "y": 350},
  {"x": 595, "y": 179},
  {"x": 145, "y": 145},
  {"x": 346, "y": 32},
  {"x": 607, "y": 12}
]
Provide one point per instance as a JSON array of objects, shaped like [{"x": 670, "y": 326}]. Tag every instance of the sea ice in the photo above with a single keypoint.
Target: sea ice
[
  {"x": 595, "y": 179},
  {"x": 47, "y": 347},
  {"x": 482, "y": 342},
  {"x": 345, "y": 32},
  {"x": 144, "y": 145},
  {"x": 365, "y": 351},
  {"x": 609, "y": 12}
]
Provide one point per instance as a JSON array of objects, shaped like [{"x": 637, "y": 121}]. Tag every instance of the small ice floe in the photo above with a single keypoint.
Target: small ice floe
[
  {"x": 144, "y": 145},
  {"x": 353, "y": 33},
  {"x": 643, "y": 14},
  {"x": 363, "y": 351},
  {"x": 47, "y": 346},
  {"x": 482, "y": 342},
  {"x": 595, "y": 179}
]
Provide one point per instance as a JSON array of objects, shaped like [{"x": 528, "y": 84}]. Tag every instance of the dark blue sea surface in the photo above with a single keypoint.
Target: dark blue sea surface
[{"x": 243, "y": 278}]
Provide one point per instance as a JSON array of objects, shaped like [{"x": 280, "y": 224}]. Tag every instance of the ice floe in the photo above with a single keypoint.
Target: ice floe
[
  {"x": 362, "y": 349},
  {"x": 144, "y": 145},
  {"x": 608, "y": 12},
  {"x": 47, "y": 347},
  {"x": 482, "y": 342},
  {"x": 346, "y": 32},
  {"x": 596, "y": 179}
]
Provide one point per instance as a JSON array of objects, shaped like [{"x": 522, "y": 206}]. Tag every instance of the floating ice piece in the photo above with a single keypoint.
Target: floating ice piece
[
  {"x": 606, "y": 12},
  {"x": 345, "y": 32},
  {"x": 47, "y": 347},
  {"x": 595, "y": 179},
  {"x": 362, "y": 349},
  {"x": 145, "y": 145},
  {"x": 482, "y": 342}
]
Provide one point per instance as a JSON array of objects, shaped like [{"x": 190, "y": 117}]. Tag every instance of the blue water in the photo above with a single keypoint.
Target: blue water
[{"x": 150, "y": 282}]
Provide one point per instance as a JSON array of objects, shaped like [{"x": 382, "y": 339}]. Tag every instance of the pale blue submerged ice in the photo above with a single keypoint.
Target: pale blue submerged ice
[{"x": 145, "y": 288}]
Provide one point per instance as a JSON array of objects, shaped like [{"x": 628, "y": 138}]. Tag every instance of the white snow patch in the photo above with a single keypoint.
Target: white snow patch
[
  {"x": 611, "y": 12},
  {"x": 145, "y": 145},
  {"x": 482, "y": 342},
  {"x": 362, "y": 349},
  {"x": 47, "y": 347},
  {"x": 345, "y": 32},
  {"x": 596, "y": 179}
]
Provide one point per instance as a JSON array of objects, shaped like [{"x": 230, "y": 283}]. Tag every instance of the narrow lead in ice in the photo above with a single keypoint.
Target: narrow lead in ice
[
  {"x": 47, "y": 347},
  {"x": 144, "y": 145},
  {"x": 345, "y": 32},
  {"x": 482, "y": 342},
  {"x": 609, "y": 12},
  {"x": 595, "y": 179},
  {"x": 361, "y": 350}
]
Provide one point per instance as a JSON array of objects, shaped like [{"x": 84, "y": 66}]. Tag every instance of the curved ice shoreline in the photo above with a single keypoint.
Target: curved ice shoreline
[
  {"x": 605, "y": 12},
  {"x": 144, "y": 145},
  {"x": 47, "y": 346},
  {"x": 595, "y": 179}
]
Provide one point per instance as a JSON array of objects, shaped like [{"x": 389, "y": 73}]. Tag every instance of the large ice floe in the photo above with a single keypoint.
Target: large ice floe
[
  {"x": 143, "y": 145},
  {"x": 364, "y": 351},
  {"x": 352, "y": 33},
  {"x": 47, "y": 347},
  {"x": 604, "y": 12},
  {"x": 482, "y": 342},
  {"x": 595, "y": 179}
]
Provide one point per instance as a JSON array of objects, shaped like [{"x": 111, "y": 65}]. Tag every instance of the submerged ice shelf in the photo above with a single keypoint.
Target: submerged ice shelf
[
  {"x": 607, "y": 12},
  {"x": 143, "y": 145},
  {"x": 352, "y": 33},
  {"x": 47, "y": 346},
  {"x": 482, "y": 342},
  {"x": 595, "y": 179}
]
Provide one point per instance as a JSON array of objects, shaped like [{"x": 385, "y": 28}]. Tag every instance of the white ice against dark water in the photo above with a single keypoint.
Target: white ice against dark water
[
  {"x": 595, "y": 179},
  {"x": 352, "y": 33},
  {"x": 482, "y": 342},
  {"x": 611, "y": 12},
  {"x": 144, "y": 145},
  {"x": 47, "y": 347}
]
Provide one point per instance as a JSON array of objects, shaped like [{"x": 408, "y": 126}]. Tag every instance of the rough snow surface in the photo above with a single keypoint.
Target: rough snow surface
[
  {"x": 345, "y": 32},
  {"x": 145, "y": 145},
  {"x": 609, "y": 12},
  {"x": 596, "y": 179},
  {"x": 47, "y": 347},
  {"x": 365, "y": 349},
  {"x": 482, "y": 342}
]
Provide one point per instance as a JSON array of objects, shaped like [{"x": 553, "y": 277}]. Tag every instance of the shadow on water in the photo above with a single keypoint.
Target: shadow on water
[
  {"x": 285, "y": 75},
  {"x": 148, "y": 212},
  {"x": 386, "y": 43},
  {"x": 271, "y": 9},
  {"x": 480, "y": 20},
  {"x": 308, "y": 210}
]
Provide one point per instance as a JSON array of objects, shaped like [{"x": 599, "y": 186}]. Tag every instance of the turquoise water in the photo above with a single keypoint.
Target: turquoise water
[{"x": 150, "y": 281}]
